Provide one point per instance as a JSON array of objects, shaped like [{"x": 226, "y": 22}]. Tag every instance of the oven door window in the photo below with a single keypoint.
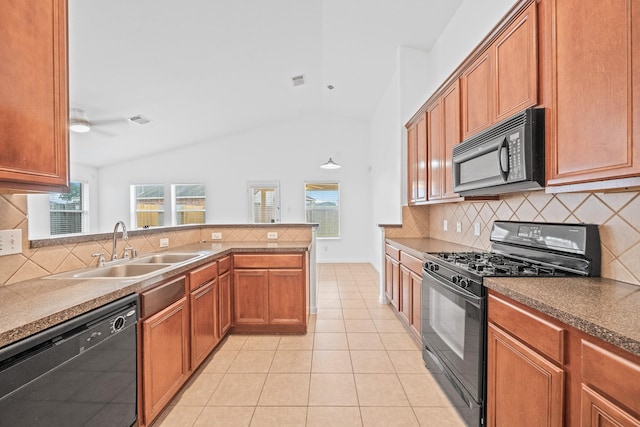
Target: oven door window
[{"x": 453, "y": 329}]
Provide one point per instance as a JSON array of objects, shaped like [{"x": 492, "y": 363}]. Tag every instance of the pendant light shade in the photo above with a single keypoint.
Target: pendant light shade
[
  {"x": 330, "y": 165},
  {"x": 78, "y": 121}
]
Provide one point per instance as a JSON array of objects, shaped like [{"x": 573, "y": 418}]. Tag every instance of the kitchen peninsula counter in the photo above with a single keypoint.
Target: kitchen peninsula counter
[{"x": 33, "y": 305}]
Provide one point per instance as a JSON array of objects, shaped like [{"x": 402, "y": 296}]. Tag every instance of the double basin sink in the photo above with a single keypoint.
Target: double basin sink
[{"x": 132, "y": 268}]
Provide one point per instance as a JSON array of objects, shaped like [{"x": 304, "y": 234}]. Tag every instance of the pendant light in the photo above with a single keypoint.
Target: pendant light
[{"x": 330, "y": 164}]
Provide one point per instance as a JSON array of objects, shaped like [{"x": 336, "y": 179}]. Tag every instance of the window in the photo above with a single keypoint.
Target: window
[
  {"x": 264, "y": 200},
  {"x": 322, "y": 206},
  {"x": 188, "y": 204},
  {"x": 69, "y": 212},
  {"x": 148, "y": 205}
]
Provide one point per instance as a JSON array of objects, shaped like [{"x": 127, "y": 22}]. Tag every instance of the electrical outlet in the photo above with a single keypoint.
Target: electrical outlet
[
  {"x": 272, "y": 235},
  {"x": 476, "y": 229},
  {"x": 10, "y": 242},
  {"x": 445, "y": 225},
  {"x": 458, "y": 227},
  {"x": 216, "y": 236},
  {"x": 164, "y": 242}
]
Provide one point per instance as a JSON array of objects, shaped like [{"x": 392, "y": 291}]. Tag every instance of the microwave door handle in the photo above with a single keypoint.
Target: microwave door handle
[{"x": 503, "y": 159}]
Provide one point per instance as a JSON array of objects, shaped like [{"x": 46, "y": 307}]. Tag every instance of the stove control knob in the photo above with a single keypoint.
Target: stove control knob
[
  {"x": 455, "y": 279},
  {"x": 433, "y": 267},
  {"x": 464, "y": 283}
]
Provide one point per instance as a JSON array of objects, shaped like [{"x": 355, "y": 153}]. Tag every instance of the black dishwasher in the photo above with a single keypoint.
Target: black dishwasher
[{"x": 82, "y": 372}]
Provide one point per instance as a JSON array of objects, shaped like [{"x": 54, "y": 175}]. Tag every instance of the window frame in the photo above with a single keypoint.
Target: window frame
[
  {"x": 174, "y": 204},
  {"x": 251, "y": 186},
  {"x": 134, "y": 206},
  {"x": 84, "y": 211},
  {"x": 339, "y": 208}
]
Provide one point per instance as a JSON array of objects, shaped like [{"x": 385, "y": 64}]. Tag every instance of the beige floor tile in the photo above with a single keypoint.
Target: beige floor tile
[
  {"x": 374, "y": 303},
  {"x": 355, "y": 313},
  {"x": 399, "y": 342},
  {"x": 227, "y": 416},
  {"x": 296, "y": 342},
  {"x": 311, "y": 324},
  {"x": 219, "y": 361},
  {"x": 178, "y": 416},
  {"x": 331, "y": 361},
  {"x": 291, "y": 361},
  {"x": 328, "y": 295},
  {"x": 329, "y": 303},
  {"x": 285, "y": 390},
  {"x": 252, "y": 362},
  {"x": 422, "y": 390},
  {"x": 369, "y": 294},
  {"x": 330, "y": 341},
  {"x": 233, "y": 342},
  {"x": 346, "y": 295},
  {"x": 347, "y": 287},
  {"x": 238, "y": 390},
  {"x": 334, "y": 416},
  {"x": 359, "y": 325},
  {"x": 364, "y": 341},
  {"x": 329, "y": 313},
  {"x": 380, "y": 390},
  {"x": 323, "y": 325},
  {"x": 328, "y": 287},
  {"x": 332, "y": 390},
  {"x": 261, "y": 342},
  {"x": 371, "y": 362},
  {"x": 382, "y": 313},
  {"x": 198, "y": 390},
  {"x": 390, "y": 417},
  {"x": 353, "y": 303},
  {"x": 442, "y": 417},
  {"x": 408, "y": 362},
  {"x": 279, "y": 416},
  {"x": 389, "y": 326}
]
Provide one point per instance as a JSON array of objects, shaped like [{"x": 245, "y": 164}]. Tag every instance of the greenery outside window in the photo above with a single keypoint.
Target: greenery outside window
[
  {"x": 69, "y": 212},
  {"x": 188, "y": 203},
  {"x": 147, "y": 201},
  {"x": 322, "y": 206}
]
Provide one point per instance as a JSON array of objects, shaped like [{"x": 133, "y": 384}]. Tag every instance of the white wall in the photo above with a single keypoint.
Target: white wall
[{"x": 290, "y": 153}]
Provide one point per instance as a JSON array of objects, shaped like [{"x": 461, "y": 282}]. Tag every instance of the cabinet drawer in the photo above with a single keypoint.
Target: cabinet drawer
[
  {"x": 224, "y": 265},
  {"x": 615, "y": 376},
  {"x": 392, "y": 252},
  {"x": 534, "y": 331},
  {"x": 202, "y": 275},
  {"x": 411, "y": 262},
  {"x": 162, "y": 296},
  {"x": 267, "y": 261}
]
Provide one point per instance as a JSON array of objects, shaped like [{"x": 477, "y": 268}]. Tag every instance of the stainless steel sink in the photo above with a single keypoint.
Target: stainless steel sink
[
  {"x": 113, "y": 271},
  {"x": 165, "y": 258}
]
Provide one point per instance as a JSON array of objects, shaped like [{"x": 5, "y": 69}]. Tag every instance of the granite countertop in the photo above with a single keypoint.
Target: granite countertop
[
  {"x": 34, "y": 305},
  {"x": 604, "y": 308}
]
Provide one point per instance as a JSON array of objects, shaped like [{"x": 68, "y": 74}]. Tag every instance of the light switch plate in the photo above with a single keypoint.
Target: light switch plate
[
  {"x": 10, "y": 242},
  {"x": 216, "y": 236},
  {"x": 476, "y": 229},
  {"x": 164, "y": 242},
  {"x": 458, "y": 227},
  {"x": 272, "y": 235},
  {"x": 445, "y": 225}
]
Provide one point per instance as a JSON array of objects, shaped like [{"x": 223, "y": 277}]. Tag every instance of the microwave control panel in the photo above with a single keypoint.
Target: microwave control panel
[{"x": 516, "y": 157}]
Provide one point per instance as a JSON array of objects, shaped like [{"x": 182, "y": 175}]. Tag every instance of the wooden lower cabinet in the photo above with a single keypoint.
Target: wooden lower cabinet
[
  {"x": 405, "y": 305},
  {"x": 415, "y": 321},
  {"x": 524, "y": 389},
  {"x": 403, "y": 287},
  {"x": 204, "y": 322},
  {"x": 392, "y": 281},
  {"x": 224, "y": 302},
  {"x": 285, "y": 295},
  {"x": 251, "y": 297},
  {"x": 165, "y": 357}
]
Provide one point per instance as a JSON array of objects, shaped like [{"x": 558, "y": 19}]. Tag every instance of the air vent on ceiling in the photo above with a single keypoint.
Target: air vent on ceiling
[
  {"x": 139, "y": 119},
  {"x": 298, "y": 80}
]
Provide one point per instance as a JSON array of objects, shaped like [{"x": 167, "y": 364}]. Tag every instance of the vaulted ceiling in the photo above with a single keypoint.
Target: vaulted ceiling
[{"x": 202, "y": 69}]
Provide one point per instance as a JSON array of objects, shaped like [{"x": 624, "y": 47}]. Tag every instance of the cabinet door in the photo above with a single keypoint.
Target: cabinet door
[
  {"x": 523, "y": 388},
  {"x": 412, "y": 163},
  {"x": 595, "y": 56},
  {"x": 392, "y": 283},
  {"x": 224, "y": 302},
  {"x": 450, "y": 135},
  {"x": 599, "y": 411},
  {"x": 435, "y": 150},
  {"x": 417, "y": 161},
  {"x": 287, "y": 297},
  {"x": 165, "y": 357},
  {"x": 405, "y": 303},
  {"x": 251, "y": 297},
  {"x": 477, "y": 95},
  {"x": 416, "y": 304},
  {"x": 388, "y": 276},
  {"x": 516, "y": 65},
  {"x": 204, "y": 322},
  {"x": 35, "y": 106}
]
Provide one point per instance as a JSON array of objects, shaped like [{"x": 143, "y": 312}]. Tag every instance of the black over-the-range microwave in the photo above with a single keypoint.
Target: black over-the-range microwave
[{"x": 505, "y": 158}]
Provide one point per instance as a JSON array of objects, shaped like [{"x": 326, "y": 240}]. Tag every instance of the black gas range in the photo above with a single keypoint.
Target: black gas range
[{"x": 454, "y": 298}]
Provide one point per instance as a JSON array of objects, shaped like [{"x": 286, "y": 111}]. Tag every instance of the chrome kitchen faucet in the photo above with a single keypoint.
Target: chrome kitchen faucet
[{"x": 125, "y": 237}]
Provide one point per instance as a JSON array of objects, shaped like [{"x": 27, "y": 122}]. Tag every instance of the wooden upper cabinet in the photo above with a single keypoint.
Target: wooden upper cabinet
[
  {"x": 435, "y": 150},
  {"x": 417, "y": 161},
  {"x": 516, "y": 66},
  {"x": 34, "y": 106},
  {"x": 595, "y": 75},
  {"x": 477, "y": 95},
  {"x": 450, "y": 134}
]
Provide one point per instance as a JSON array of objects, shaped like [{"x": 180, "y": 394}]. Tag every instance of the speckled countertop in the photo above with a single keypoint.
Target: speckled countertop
[
  {"x": 34, "y": 305},
  {"x": 604, "y": 308}
]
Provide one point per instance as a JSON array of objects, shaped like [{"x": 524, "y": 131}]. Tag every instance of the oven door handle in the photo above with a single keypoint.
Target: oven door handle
[{"x": 471, "y": 298}]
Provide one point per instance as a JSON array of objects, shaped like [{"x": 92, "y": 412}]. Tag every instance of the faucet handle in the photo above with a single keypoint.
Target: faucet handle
[
  {"x": 100, "y": 257},
  {"x": 130, "y": 252}
]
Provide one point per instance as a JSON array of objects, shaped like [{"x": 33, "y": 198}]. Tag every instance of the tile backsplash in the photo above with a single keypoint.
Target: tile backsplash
[
  {"x": 617, "y": 214},
  {"x": 32, "y": 263}
]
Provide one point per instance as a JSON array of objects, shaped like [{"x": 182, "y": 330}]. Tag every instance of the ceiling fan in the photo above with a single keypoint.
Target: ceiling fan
[{"x": 78, "y": 122}]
